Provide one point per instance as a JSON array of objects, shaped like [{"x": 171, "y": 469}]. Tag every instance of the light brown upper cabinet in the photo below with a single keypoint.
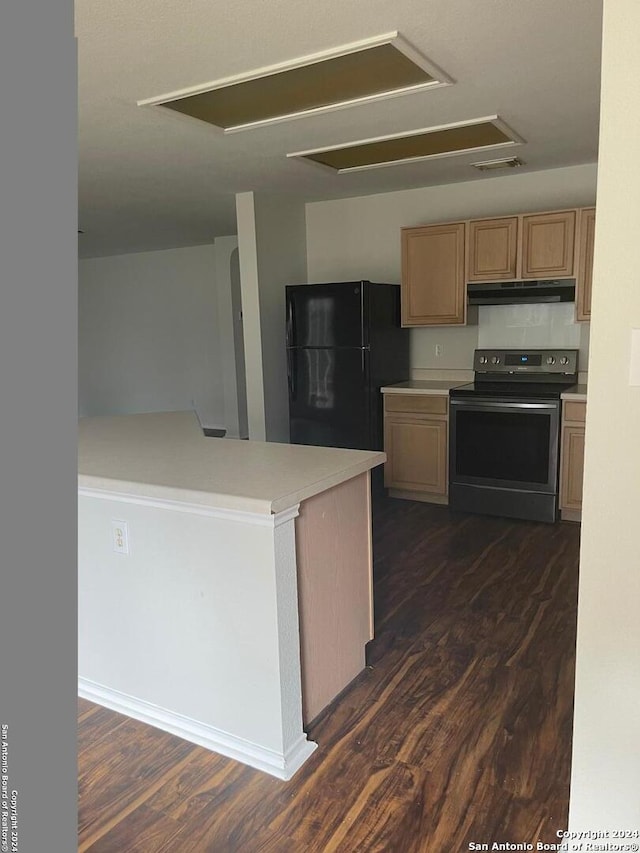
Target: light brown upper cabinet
[
  {"x": 493, "y": 247},
  {"x": 433, "y": 275},
  {"x": 548, "y": 242},
  {"x": 438, "y": 260},
  {"x": 586, "y": 234},
  {"x": 538, "y": 245}
]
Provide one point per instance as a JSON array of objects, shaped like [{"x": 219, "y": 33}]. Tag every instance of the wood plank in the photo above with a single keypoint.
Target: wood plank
[
  {"x": 96, "y": 725},
  {"x": 85, "y": 708},
  {"x": 145, "y": 831},
  {"x": 119, "y": 772}
]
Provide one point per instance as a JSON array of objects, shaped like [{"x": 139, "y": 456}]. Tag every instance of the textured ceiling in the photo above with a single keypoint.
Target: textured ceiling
[{"x": 151, "y": 178}]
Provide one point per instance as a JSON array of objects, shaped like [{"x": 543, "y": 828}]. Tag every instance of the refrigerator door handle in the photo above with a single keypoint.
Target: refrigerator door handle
[
  {"x": 291, "y": 323},
  {"x": 291, "y": 378}
]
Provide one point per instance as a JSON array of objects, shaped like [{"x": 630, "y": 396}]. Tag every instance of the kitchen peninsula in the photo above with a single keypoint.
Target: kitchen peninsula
[{"x": 225, "y": 586}]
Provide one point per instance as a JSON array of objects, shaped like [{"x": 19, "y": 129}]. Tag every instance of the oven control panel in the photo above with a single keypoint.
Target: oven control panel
[{"x": 526, "y": 361}]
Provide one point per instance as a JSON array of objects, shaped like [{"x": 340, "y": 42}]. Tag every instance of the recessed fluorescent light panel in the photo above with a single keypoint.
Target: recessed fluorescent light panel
[
  {"x": 424, "y": 144},
  {"x": 505, "y": 163},
  {"x": 363, "y": 71}
]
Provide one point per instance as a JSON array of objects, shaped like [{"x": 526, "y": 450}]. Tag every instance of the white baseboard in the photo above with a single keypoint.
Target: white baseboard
[{"x": 283, "y": 766}]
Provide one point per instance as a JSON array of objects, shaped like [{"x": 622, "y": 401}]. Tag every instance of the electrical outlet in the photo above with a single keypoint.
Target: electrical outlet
[
  {"x": 438, "y": 349},
  {"x": 120, "y": 533}
]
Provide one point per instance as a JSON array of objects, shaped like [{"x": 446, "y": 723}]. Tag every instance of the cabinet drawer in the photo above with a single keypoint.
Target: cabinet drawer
[
  {"x": 420, "y": 403},
  {"x": 574, "y": 411}
]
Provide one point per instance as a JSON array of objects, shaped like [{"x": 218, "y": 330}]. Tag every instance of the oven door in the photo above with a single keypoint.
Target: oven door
[{"x": 504, "y": 444}]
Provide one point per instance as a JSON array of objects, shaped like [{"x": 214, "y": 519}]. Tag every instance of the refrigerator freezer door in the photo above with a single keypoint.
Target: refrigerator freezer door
[
  {"x": 327, "y": 315},
  {"x": 329, "y": 397}
]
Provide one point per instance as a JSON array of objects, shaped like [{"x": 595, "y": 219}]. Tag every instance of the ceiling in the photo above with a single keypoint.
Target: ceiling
[{"x": 152, "y": 178}]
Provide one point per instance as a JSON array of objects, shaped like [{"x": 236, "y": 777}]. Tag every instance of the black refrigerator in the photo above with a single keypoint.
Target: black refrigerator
[{"x": 344, "y": 342}]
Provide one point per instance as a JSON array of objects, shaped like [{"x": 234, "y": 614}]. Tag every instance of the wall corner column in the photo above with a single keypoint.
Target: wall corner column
[{"x": 249, "y": 286}]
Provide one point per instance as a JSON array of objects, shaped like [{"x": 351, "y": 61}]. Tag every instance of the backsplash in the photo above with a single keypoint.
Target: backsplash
[
  {"x": 535, "y": 325},
  {"x": 447, "y": 353}
]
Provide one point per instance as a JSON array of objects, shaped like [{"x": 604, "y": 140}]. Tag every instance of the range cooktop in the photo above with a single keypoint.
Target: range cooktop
[
  {"x": 539, "y": 390},
  {"x": 541, "y": 373}
]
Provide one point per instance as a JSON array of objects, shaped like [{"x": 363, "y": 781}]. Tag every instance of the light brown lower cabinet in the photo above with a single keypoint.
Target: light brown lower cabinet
[
  {"x": 572, "y": 460},
  {"x": 416, "y": 444}
]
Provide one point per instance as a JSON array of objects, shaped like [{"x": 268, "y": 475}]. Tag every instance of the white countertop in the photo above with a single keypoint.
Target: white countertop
[
  {"x": 577, "y": 393},
  {"x": 166, "y": 456},
  {"x": 424, "y": 386}
]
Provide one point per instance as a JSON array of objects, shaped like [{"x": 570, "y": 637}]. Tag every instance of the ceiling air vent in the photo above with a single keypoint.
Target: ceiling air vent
[
  {"x": 375, "y": 68},
  {"x": 424, "y": 144},
  {"x": 491, "y": 165}
]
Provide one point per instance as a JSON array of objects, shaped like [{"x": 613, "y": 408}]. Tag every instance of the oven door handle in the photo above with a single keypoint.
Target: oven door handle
[{"x": 485, "y": 404}]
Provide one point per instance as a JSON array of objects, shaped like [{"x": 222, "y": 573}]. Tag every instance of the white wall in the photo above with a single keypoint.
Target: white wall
[
  {"x": 149, "y": 335},
  {"x": 605, "y": 783},
  {"x": 196, "y": 628},
  {"x": 272, "y": 246},
  {"x": 360, "y": 238}
]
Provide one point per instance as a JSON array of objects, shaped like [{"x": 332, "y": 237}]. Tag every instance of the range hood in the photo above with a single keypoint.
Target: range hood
[{"x": 518, "y": 292}]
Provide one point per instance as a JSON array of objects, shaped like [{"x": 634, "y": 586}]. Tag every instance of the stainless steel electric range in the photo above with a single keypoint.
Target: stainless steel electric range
[{"x": 504, "y": 433}]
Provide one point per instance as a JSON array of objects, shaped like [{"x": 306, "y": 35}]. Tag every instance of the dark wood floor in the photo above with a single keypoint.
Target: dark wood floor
[{"x": 458, "y": 731}]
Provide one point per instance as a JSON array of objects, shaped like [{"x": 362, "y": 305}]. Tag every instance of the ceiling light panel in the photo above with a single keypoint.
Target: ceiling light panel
[
  {"x": 427, "y": 143},
  {"x": 364, "y": 71}
]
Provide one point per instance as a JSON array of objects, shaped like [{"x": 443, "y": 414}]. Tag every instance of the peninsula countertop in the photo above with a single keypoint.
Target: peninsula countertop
[
  {"x": 577, "y": 393},
  {"x": 166, "y": 456}
]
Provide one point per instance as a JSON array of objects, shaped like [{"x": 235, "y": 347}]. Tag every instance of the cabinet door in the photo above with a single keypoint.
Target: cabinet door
[
  {"x": 416, "y": 451},
  {"x": 492, "y": 249},
  {"x": 548, "y": 242},
  {"x": 433, "y": 286},
  {"x": 586, "y": 231},
  {"x": 572, "y": 467}
]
